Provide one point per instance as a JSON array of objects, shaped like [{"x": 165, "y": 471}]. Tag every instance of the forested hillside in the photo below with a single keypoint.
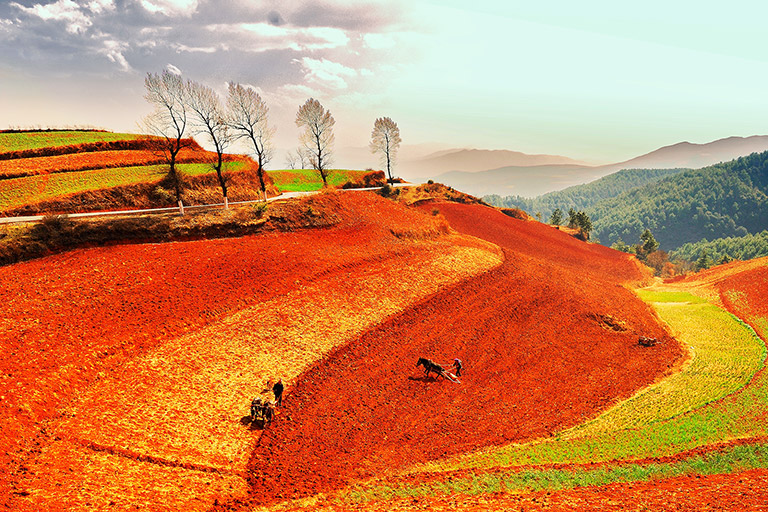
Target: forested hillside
[
  {"x": 723, "y": 249},
  {"x": 724, "y": 200},
  {"x": 581, "y": 197}
]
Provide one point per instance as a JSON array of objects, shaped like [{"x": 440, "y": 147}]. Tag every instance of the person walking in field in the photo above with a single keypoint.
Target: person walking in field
[
  {"x": 458, "y": 366},
  {"x": 278, "y": 390}
]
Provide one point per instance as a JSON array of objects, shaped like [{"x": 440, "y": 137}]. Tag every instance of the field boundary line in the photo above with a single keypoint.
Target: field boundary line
[{"x": 152, "y": 459}]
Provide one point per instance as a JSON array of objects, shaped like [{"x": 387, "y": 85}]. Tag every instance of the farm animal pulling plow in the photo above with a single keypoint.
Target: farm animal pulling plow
[
  {"x": 430, "y": 366},
  {"x": 262, "y": 411}
]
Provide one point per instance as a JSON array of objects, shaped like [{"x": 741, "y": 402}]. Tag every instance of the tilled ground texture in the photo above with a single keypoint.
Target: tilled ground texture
[
  {"x": 548, "y": 340},
  {"x": 129, "y": 369}
]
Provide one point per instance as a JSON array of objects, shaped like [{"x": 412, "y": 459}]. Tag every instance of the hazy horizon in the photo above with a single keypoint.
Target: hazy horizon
[{"x": 593, "y": 81}]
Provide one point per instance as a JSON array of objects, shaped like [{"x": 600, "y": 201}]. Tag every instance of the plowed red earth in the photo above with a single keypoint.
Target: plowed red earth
[
  {"x": 538, "y": 359},
  {"x": 66, "y": 320},
  {"x": 743, "y": 287},
  {"x": 739, "y": 491}
]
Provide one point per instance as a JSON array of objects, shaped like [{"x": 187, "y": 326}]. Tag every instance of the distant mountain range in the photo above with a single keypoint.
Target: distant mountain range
[
  {"x": 686, "y": 154},
  {"x": 721, "y": 208},
  {"x": 505, "y": 173},
  {"x": 474, "y": 160}
]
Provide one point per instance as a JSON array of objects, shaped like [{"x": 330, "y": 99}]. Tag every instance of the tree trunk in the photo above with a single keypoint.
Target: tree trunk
[
  {"x": 181, "y": 207},
  {"x": 261, "y": 178},
  {"x": 222, "y": 181}
]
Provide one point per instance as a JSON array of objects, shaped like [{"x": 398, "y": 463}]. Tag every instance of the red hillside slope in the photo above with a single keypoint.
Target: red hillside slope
[
  {"x": 73, "y": 321},
  {"x": 548, "y": 340}
]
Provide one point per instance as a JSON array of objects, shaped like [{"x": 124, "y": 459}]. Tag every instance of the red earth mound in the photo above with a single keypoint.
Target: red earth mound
[
  {"x": 68, "y": 320},
  {"x": 538, "y": 359}
]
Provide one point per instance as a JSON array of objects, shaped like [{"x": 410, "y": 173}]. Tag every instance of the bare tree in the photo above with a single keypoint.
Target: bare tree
[
  {"x": 385, "y": 139},
  {"x": 210, "y": 119},
  {"x": 296, "y": 159},
  {"x": 317, "y": 138},
  {"x": 290, "y": 160},
  {"x": 248, "y": 116},
  {"x": 168, "y": 94}
]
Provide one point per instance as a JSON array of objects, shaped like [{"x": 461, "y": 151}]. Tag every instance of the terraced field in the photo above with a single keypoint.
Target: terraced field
[
  {"x": 77, "y": 171},
  {"x": 21, "y": 167},
  {"x": 305, "y": 180},
  {"x": 21, "y": 141},
  {"x": 23, "y": 191}
]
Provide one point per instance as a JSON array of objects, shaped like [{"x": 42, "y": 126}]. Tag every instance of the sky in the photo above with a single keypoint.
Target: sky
[{"x": 596, "y": 80}]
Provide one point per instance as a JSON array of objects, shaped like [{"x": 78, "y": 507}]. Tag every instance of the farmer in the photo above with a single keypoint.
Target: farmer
[
  {"x": 278, "y": 390},
  {"x": 458, "y": 366}
]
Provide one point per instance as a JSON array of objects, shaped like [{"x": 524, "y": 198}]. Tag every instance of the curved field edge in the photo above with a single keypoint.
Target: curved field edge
[
  {"x": 143, "y": 412},
  {"x": 725, "y": 355},
  {"x": 33, "y": 189},
  {"x": 739, "y": 415},
  {"x": 724, "y": 460}
]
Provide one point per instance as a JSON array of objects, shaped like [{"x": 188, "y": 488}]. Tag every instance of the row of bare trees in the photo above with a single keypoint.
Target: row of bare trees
[{"x": 184, "y": 108}]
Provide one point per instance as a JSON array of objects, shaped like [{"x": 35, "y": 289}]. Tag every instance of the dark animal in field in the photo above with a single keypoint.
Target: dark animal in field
[
  {"x": 430, "y": 366},
  {"x": 647, "y": 342},
  {"x": 262, "y": 411}
]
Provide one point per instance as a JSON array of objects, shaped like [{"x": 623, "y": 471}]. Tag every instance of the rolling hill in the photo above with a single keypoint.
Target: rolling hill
[
  {"x": 108, "y": 347},
  {"x": 553, "y": 173},
  {"x": 474, "y": 160},
  {"x": 687, "y": 154},
  {"x": 581, "y": 197},
  {"x": 719, "y": 201}
]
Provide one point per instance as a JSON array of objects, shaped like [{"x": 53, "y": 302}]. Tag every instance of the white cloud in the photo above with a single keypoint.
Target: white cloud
[
  {"x": 378, "y": 41},
  {"x": 113, "y": 50},
  {"x": 173, "y": 69},
  {"x": 328, "y": 73},
  {"x": 99, "y": 6},
  {"x": 199, "y": 49},
  {"x": 326, "y": 37},
  {"x": 61, "y": 10},
  {"x": 171, "y": 7},
  {"x": 263, "y": 37}
]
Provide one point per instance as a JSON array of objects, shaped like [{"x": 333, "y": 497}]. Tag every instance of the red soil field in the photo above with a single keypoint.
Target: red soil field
[
  {"x": 538, "y": 357},
  {"x": 72, "y": 319},
  {"x": 741, "y": 286},
  {"x": 728, "y": 492},
  {"x": 96, "y": 160}
]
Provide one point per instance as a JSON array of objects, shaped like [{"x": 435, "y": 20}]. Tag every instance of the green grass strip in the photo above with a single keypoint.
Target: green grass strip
[
  {"x": 307, "y": 180},
  {"x": 731, "y": 460},
  {"x": 36, "y": 140},
  {"x": 18, "y": 192},
  {"x": 725, "y": 356},
  {"x": 654, "y": 422}
]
